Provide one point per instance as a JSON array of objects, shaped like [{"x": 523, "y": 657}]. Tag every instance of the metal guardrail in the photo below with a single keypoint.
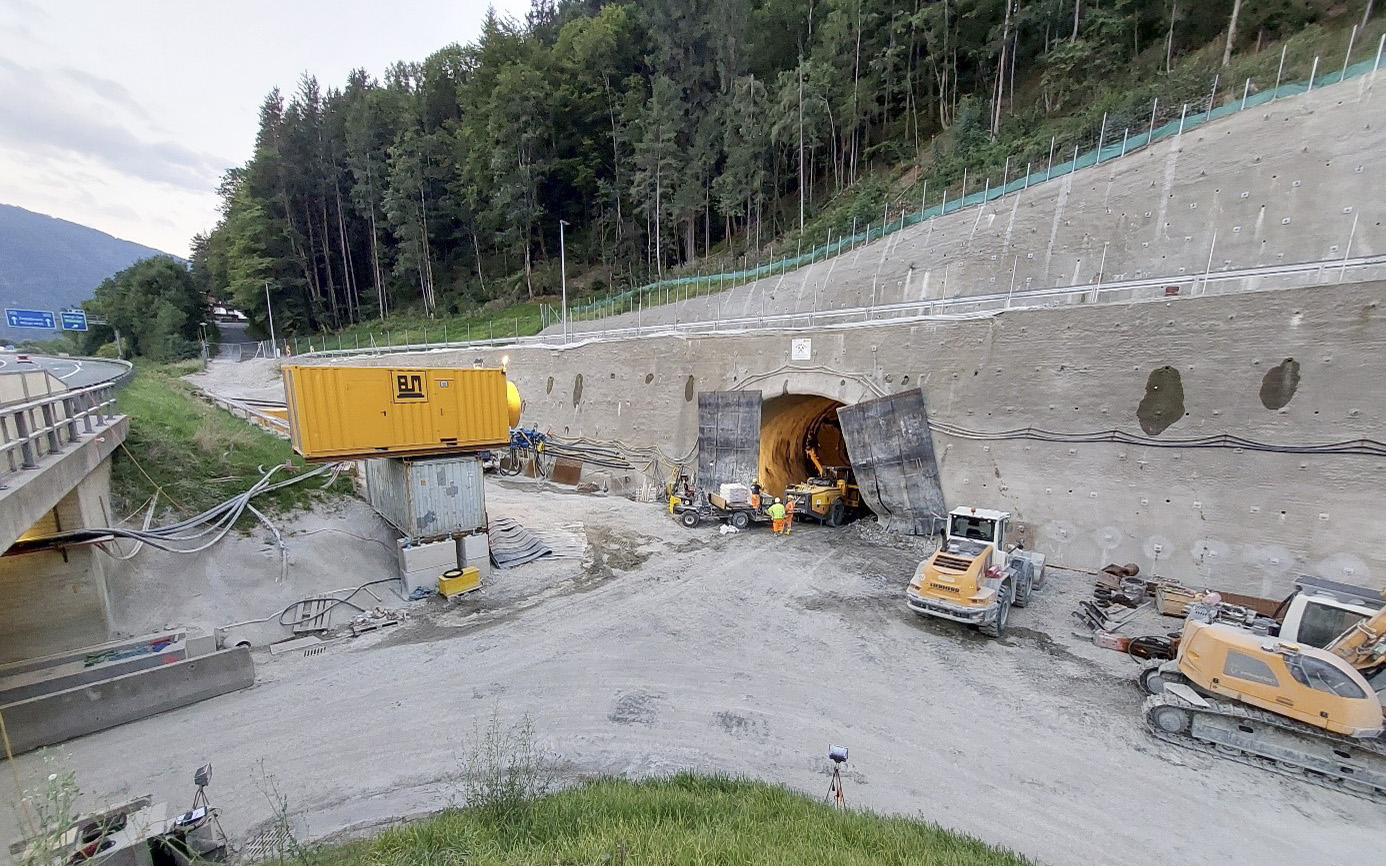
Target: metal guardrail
[
  {"x": 46, "y": 425},
  {"x": 1299, "y": 275},
  {"x": 261, "y": 413}
]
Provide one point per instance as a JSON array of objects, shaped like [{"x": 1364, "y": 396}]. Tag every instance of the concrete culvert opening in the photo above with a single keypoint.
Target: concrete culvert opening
[{"x": 794, "y": 428}]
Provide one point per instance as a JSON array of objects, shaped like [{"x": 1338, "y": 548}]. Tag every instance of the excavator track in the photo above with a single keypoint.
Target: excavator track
[{"x": 1265, "y": 740}]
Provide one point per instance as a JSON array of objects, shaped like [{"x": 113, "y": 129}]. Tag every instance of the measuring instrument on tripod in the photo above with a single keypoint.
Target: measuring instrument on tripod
[{"x": 838, "y": 755}]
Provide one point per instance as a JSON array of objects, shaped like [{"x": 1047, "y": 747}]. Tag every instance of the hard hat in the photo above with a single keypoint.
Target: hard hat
[{"x": 777, "y": 499}]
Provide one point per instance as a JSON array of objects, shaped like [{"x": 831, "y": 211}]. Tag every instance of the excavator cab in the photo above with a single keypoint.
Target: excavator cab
[{"x": 1306, "y": 684}]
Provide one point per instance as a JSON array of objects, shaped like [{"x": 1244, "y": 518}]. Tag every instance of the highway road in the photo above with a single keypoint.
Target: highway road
[{"x": 74, "y": 372}]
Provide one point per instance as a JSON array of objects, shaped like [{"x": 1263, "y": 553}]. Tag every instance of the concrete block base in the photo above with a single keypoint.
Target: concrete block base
[{"x": 85, "y": 709}]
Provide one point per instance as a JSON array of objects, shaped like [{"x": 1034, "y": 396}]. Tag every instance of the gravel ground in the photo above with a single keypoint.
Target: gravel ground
[{"x": 664, "y": 648}]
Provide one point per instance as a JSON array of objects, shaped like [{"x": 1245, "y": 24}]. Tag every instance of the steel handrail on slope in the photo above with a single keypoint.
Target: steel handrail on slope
[
  {"x": 45, "y": 425},
  {"x": 252, "y": 411},
  {"x": 940, "y": 309},
  {"x": 978, "y": 305}
]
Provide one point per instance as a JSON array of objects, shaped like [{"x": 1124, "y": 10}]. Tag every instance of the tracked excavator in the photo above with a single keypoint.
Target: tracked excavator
[{"x": 1267, "y": 700}]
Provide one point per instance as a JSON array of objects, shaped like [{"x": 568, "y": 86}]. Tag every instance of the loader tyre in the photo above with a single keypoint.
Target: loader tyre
[
  {"x": 837, "y": 515},
  {"x": 1022, "y": 591},
  {"x": 740, "y": 519},
  {"x": 997, "y": 627},
  {"x": 689, "y": 519}
]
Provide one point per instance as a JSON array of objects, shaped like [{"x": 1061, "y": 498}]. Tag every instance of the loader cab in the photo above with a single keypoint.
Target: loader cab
[{"x": 978, "y": 524}]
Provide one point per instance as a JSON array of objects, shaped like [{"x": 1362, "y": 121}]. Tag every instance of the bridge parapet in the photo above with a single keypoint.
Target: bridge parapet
[{"x": 34, "y": 428}]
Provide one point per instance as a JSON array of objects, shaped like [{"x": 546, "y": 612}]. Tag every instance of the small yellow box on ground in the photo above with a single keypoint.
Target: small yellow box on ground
[{"x": 459, "y": 580}]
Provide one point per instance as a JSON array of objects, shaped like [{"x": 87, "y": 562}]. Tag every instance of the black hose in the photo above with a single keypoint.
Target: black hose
[{"x": 1350, "y": 447}]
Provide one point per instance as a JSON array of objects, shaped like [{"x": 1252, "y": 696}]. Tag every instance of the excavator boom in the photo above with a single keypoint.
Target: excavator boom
[{"x": 1364, "y": 645}]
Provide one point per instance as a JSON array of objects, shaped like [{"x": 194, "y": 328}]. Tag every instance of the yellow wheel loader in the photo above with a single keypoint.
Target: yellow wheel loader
[
  {"x": 973, "y": 577},
  {"x": 1309, "y": 713}
]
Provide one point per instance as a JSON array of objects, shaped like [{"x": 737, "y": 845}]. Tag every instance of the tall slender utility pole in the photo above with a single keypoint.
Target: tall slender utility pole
[
  {"x": 563, "y": 274},
  {"x": 269, "y": 309},
  {"x": 801, "y": 143}
]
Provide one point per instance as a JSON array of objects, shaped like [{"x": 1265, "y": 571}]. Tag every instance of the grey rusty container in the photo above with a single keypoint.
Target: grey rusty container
[{"x": 427, "y": 498}]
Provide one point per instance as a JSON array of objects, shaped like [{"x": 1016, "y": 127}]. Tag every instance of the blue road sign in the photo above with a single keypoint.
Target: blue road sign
[
  {"x": 74, "y": 320},
  {"x": 30, "y": 319}
]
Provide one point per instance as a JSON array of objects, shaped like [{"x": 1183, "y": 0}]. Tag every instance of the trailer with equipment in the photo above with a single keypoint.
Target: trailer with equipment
[{"x": 714, "y": 507}]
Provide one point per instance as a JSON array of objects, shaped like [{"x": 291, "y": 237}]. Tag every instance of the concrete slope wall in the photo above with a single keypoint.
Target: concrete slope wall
[
  {"x": 58, "y": 600},
  {"x": 1238, "y": 519},
  {"x": 1294, "y": 181}
]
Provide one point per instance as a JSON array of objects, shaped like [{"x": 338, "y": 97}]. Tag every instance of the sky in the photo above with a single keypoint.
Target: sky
[{"x": 122, "y": 115}]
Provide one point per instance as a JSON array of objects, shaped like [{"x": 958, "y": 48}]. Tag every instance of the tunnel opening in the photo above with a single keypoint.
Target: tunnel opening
[{"x": 800, "y": 439}]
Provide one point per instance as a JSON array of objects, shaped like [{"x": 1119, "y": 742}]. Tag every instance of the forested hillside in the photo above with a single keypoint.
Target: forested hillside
[{"x": 662, "y": 132}]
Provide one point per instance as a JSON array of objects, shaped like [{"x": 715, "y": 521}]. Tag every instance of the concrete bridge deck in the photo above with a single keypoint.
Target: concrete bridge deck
[{"x": 54, "y": 476}]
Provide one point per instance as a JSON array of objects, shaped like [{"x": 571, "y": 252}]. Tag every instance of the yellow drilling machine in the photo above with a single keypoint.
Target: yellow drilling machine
[{"x": 831, "y": 496}]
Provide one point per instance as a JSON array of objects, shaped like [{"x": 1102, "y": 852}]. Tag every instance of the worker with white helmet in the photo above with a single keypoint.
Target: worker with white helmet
[{"x": 776, "y": 512}]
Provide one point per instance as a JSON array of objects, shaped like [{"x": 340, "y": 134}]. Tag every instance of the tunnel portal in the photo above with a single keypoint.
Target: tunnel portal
[
  {"x": 742, "y": 436},
  {"x": 791, "y": 425}
]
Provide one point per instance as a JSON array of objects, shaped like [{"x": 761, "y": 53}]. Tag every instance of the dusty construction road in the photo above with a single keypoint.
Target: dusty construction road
[{"x": 668, "y": 648}]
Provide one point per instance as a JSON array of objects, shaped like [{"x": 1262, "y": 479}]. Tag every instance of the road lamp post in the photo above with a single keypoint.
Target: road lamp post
[
  {"x": 563, "y": 275},
  {"x": 270, "y": 310}
]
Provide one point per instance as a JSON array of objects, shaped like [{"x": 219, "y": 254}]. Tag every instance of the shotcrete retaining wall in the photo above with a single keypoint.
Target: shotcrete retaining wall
[
  {"x": 1296, "y": 367},
  {"x": 1294, "y": 181}
]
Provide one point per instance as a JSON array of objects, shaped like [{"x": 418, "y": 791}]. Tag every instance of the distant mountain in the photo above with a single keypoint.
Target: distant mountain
[{"x": 53, "y": 264}]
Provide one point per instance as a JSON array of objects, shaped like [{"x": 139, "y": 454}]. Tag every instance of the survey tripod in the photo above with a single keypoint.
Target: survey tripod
[{"x": 834, "y": 794}]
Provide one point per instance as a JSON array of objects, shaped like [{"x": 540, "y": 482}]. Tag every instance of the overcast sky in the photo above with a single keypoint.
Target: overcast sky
[{"x": 123, "y": 114}]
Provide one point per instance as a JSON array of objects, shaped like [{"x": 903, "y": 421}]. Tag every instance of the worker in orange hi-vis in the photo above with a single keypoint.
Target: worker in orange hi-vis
[
  {"x": 776, "y": 512},
  {"x": 789, "y": 517}
]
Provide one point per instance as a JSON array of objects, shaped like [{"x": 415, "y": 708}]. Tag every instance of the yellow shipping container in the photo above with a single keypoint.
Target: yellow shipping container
[{"x": 338, "y": 413}]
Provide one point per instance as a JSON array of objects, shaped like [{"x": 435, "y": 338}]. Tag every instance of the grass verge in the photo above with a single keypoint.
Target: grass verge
[
  {"x": 684, "y": 819},
  {"x": 409, "y": 327},
  {"x": 195, "y": 454}
]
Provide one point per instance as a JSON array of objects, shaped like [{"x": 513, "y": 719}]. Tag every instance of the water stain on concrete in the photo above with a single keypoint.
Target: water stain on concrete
[
  {"x": 577, "y": 389},
  {"x": 688, "y": 390},
  {"x": 1278, "y": 388},
  {"x": 1163, "y": 403}
]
